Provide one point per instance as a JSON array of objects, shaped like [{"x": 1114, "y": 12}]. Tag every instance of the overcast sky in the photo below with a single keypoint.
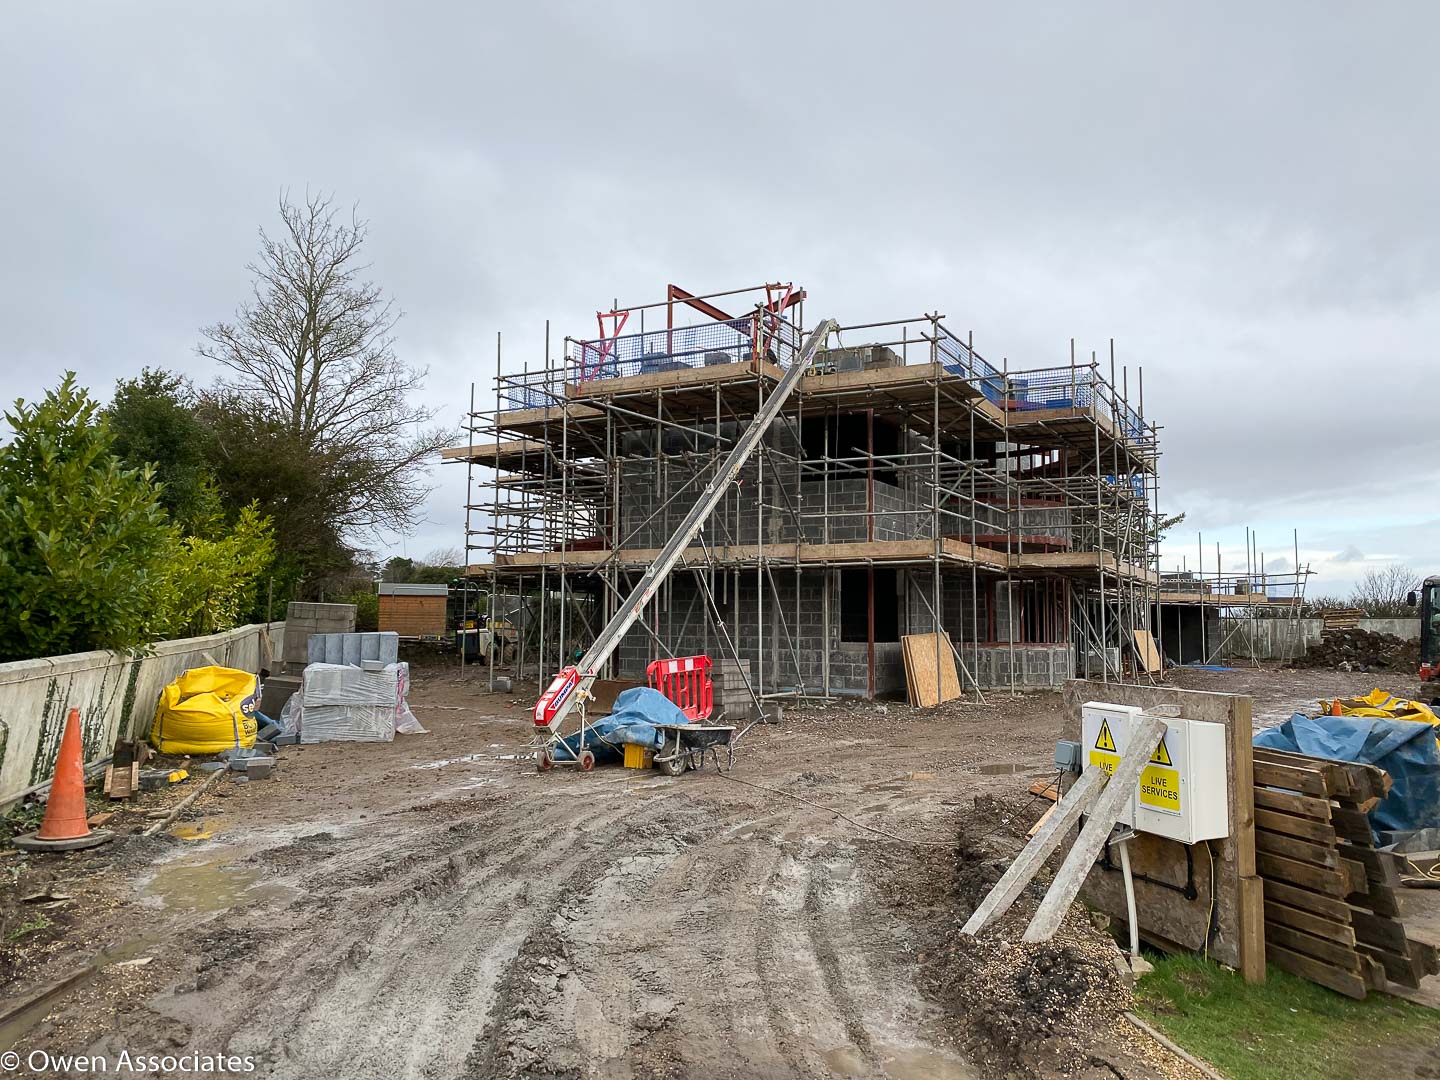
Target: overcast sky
[{"x": 1244, "y": 196}]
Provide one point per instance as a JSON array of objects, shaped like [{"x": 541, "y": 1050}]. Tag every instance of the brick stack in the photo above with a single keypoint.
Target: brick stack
[{"x": 733, "y": 703}]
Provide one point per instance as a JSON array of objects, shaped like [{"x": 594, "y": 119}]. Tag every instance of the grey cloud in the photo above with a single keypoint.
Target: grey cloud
[{"x": 1242, "y": 195}]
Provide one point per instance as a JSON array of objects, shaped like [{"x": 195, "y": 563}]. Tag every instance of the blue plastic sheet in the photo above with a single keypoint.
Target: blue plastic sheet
[
  {"x": 1405, "y": 749},
  {"x": 633, "y": 719}
]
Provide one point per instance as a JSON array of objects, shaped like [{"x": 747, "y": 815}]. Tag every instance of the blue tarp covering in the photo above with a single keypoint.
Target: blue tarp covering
[
  {"x": 633, "y": 719},
  {"x": 1405, "y": 749}
]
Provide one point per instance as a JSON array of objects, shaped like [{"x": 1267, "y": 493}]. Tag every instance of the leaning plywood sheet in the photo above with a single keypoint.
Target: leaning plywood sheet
[
  {"x": 930, "y": 669},
  {"x": 1149, "y": 654}
]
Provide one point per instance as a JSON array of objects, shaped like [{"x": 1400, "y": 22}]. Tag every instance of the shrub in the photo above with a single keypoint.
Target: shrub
[{"x": 82, "y": 537}]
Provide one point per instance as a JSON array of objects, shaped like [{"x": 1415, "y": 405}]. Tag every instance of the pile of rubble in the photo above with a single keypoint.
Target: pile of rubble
[
  {"x": 1360, "y": 650},
  {"x": 1024, "y": 1008}
]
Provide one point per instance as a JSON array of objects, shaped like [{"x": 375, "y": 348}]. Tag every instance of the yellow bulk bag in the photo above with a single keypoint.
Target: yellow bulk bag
[
  {"x": 206, "y": 710},
  {"x": 1382, "y": 706}
]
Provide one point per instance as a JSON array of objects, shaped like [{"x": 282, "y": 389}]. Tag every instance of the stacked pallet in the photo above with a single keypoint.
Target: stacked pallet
[
  {"x": 1331, "y": 908},
  {"x": 1341, "y": 618}
]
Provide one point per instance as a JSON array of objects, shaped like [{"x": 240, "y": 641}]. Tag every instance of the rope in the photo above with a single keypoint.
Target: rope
[{"x": 1432, "y": 874}]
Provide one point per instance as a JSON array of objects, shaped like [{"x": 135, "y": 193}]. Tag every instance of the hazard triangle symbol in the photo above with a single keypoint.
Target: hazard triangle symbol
[
  {"x": 1105, "y": 741},
  {"x": 1161, "y": 756}
]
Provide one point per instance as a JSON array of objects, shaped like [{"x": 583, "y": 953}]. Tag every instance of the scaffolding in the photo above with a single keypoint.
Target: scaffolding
[
  {"x": 1243, "y": 614},
  {"x": 908, "y": 486}
]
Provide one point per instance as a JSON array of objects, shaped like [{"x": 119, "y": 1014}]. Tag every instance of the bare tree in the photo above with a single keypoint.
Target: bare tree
[
  {"x": 313, "y": 347},
  {"x": 1381, "y": 593},
  {"x": 444, "y": 556}
]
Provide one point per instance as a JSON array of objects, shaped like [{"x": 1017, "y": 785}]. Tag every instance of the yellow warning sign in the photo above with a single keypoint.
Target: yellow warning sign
[
  {"x": 1161, "y": 756},
  {"x": 1160, "y": 788},
  {"x": 1107, "y": 762},
  {"x": 1105, "y": 741}
]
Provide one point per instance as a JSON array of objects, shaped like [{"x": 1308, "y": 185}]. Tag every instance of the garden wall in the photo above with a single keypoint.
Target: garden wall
[{"x": 116, "y": 695}]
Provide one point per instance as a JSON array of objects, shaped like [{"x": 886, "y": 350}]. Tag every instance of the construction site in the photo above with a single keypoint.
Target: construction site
[
  {"x": 905, "y": 486},
  {"x": 814, "y": 702}
]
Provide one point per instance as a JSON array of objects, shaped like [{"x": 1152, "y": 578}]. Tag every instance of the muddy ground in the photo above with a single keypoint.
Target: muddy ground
[{"x": 428, "y": 908}]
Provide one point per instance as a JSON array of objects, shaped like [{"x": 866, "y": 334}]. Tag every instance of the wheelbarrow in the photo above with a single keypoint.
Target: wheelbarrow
[{"x": 686, "y": 745}]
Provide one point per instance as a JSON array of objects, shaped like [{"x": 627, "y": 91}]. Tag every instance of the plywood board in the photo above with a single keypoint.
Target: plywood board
[
  {"x": 413, "y": 616},
  {"x": 930, "y": 669},
  {"x": 1149, "y": 654}
]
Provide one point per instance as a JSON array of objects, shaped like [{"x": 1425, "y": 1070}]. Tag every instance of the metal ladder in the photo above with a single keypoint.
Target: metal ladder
[{"x": 572, "y": 686}]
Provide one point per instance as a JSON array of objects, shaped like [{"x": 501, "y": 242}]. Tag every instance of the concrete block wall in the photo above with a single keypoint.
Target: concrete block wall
[
  {"x": 1045, "y": 520},
  {"x": 772, "y": 663},
  {"x": 305, "y": 619},
  {"x": 1031, "y": 665},
  {"x": 1284, "y": 639},
  {"x": 961, "y": 615},
  {"x": 775, "y": 669},
  {"x": 646, "y": 487}
]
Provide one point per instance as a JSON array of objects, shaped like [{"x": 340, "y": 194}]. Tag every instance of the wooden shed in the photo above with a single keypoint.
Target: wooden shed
[{"x": 413, "y": 611}]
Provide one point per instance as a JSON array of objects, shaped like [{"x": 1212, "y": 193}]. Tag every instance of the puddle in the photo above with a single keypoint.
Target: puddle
[
  {"x": 477, "y": 781},
  {"x": 204, "y": 887},
  {"x": 202, "y": 831},
  {"x": 452, "y": 761},
  {"x": 19, "y": 1024},
  {"x": 918, "y": 1064},
  {"x": 1005, "y": 768}
]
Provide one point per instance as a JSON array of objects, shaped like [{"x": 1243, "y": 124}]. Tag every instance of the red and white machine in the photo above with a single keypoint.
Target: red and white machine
[{"x": 571, "y": 687}]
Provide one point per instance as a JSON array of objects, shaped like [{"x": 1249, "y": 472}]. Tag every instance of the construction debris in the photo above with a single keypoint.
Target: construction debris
[
  {"x": 1026, "y": 1006},
  {"x": 1360, "y": 650}
]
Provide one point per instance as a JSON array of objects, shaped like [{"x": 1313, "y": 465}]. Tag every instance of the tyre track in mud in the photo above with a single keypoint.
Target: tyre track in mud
[
  {"x": 609, "y": 925},
  {"x": 398, "y": 961}
]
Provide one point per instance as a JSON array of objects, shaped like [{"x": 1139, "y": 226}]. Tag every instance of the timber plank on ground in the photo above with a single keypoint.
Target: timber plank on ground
[
  {"x": 1331, "y": 905},
  {"x": 1348, "y": 982},
  {"x": 1290, "y": 803}
]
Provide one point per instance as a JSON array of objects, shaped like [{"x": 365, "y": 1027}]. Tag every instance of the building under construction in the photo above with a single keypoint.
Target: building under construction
[{"x": 908, "y": 485}]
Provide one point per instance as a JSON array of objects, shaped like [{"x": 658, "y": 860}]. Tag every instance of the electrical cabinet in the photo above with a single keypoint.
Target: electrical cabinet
[{"x": 1183, "y": 792}]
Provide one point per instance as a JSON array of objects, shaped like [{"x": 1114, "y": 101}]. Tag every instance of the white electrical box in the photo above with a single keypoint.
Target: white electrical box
[{"x": 1183, "y": 792}]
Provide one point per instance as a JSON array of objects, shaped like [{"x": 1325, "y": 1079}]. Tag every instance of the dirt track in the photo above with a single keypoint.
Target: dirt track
[{"x": 425, "y": 908}]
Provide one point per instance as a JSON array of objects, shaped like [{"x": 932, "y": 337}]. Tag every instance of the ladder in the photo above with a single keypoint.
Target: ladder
[{"x": 572, "y": 686}]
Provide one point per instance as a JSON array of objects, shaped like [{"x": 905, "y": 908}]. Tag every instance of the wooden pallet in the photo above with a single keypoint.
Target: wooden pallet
[
  {"x": 1341, "y": 618},
  {"x": 1331, "y": 910}
]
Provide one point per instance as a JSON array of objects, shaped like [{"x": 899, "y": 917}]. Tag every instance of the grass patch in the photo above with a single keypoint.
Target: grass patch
[
  {"x": 1286, "y": 1029},
  {"x": 39, "y": 922},
  {"x": 21, "y": 819}
]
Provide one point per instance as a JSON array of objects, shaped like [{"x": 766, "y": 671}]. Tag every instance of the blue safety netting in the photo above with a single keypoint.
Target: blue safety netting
[{"x": 1406, "y": 749}]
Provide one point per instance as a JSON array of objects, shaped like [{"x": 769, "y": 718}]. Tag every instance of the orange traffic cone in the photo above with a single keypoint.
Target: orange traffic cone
[
  {"x": 64, "y": 827},
  {"x": 1335, "y": 708}
]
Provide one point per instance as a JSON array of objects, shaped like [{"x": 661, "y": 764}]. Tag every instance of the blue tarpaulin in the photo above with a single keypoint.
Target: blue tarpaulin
[
  {"x": 632, "y": 719},
  {"x": 1405, "y": 749}
]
